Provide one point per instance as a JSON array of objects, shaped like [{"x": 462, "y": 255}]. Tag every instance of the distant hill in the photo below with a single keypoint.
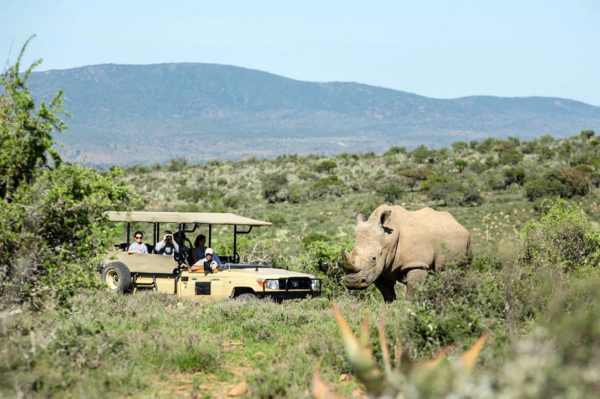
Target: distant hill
[{"x": 130, "y": 114}]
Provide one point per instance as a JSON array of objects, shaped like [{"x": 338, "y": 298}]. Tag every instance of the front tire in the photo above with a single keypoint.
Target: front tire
[
  {"x": 117, "y": 276},
  {"x": 246, "y": 297}
]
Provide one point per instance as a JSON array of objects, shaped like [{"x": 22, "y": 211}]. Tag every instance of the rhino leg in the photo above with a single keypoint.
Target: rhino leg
[
  {"x": 387, "y": 289},
  {"x": 413, "y": 277}
]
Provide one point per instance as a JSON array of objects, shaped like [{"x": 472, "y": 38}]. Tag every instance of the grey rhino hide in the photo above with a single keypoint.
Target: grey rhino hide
[{"x": 394, "y": 244}]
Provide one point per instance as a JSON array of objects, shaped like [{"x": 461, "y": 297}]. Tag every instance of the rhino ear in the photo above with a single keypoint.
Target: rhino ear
[
  {"x": 361, "y": 218},
  {"x": 385, "y": 217}
]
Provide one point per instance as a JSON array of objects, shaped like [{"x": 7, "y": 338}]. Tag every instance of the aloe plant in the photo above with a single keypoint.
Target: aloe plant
[{"x": 389, "y": 383}]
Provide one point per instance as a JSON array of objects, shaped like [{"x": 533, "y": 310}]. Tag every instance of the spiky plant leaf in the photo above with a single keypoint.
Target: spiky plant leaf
[{"x": 360, "y": 358}]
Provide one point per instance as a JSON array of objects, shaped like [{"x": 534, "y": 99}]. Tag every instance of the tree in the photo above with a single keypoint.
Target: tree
[
  {"x": 461, "y": 164},
  {"x": 54, "y": 229},
  {"x": 514, "y": 176},
  {"x": 395, "y": 151},
  {"x": 459, "y": 146},
  {"x": 327, "y": 166},
  {"x": 414, "y": 177},
  {"x": 25, "y": 133},
  {"x": 587, "y": 134},
  {"x": 421, "y": 154}
]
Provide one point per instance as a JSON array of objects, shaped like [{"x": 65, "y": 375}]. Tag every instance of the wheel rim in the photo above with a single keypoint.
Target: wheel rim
[{"x": 112, "y": 279}]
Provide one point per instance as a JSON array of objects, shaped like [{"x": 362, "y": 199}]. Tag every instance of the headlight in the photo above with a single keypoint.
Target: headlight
[
  {"x": 270, "y": 284},
  {"x": 314, "y": 283}
]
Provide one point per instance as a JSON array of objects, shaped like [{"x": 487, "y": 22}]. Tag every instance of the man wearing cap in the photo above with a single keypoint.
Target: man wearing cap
[
  {"x": 167, "y": 246},
  {"x": 207, "y": 261}
]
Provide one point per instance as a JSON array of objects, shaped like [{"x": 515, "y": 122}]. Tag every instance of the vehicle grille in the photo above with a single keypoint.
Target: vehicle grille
[{"x": 299, "y": 283}]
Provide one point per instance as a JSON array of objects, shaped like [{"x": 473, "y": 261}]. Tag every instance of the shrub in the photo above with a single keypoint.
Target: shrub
[
  {"x": 189, "y": 194},
  {"x": 545, "y": 153},
  {"x": 327, "y": 166},
  {"x": 434, "y": 179},
  {"x": 51, "y": 214},
  {"x": 177, "y": 165},
  {"x": 421, "y": 154},
  {"x": 561, "y": 237},
  {"x": 511, "y": 157},
  {"x": 272, "y": 183},
  {"x": 450, "y": 193},
  {"x": 459, "y": 146},
  {"x": 587, "y": 134},
  {"x": 563, "y": 183},
  {"x": 514, "y": 175},
  {"x": 390, "y": 191},
  {"x": 414, "y": 177},
  {"x": 233, "y": 201},
  {"x": 313, "y": 237},
  {"x": 394, "y": 151}
]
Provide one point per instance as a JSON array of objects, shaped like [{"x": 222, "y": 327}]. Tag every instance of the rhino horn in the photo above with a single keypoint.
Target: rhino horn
[{"x": 347, "y": 262}]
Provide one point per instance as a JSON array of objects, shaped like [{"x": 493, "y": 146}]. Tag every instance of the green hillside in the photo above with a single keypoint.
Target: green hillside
[{"x": 129, "y": 114}]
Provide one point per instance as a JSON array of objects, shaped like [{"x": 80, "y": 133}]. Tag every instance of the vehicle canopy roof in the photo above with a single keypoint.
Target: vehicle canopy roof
[{"x": 185, "y": 217}]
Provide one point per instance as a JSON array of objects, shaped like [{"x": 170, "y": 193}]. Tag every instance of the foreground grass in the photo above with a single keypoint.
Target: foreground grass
[
  {"x": 147, "y": 344},
  {"x": 155, "y": 345}
]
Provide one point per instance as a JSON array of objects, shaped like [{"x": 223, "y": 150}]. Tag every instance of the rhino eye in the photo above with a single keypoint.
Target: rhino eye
[{"x": 373, "y": 258}]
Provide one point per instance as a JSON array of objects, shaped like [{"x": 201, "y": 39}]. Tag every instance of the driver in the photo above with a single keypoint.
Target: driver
[
  {"x": 206, "y": 262},
  {"x": 167, "y": 246}
]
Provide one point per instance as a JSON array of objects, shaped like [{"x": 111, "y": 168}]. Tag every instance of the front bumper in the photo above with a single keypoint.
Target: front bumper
[{"x": 292, "y": 294}]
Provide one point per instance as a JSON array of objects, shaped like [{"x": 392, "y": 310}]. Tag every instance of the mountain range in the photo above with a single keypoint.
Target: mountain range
[{"x": 130, "y": 114}]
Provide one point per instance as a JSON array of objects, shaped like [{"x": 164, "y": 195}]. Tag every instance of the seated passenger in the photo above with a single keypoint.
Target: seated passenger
[
  {"x": 179, "y": 239},
  {"x": 166, "y": 246},
  {"x": 207, "y": 261},
  {"x": 138, "y": 246},
  {"x": 199, "y": 248}
]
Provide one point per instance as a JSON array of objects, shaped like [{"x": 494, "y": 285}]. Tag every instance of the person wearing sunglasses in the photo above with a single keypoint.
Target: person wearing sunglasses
[{"x": 138, "y": 246}]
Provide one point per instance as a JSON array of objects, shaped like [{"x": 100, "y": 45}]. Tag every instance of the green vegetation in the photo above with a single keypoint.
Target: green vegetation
[
  {"x": 533, "y": 285},
  {"x": 51, "y": 217}
]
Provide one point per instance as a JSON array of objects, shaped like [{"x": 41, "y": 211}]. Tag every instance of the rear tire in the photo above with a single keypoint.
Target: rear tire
[
  {"x": 246, "y": 297},
  {"x": 117, "y": 276}
]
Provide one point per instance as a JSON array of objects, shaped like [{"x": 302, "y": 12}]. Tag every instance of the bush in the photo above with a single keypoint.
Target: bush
[
  {"x": 54, "y": 230},
  {"x": 177, "y": 165},
  {"x": 421, "y": 154},
  {"x": 562, "y": 183},
  {"x": 545, "y": 153},
  {"x": 394, "y": 151},
  {"x": 327, "y": 166},
  {"x": 514, "y": 176},
  {"x": 414, "y": 177},
  {"x": 450, "y": 193},
  {"x": 272, "y": 183},
  {"x": 561, "y": 237},
  {"x": 511, "y": 158},
  {"x": 313, "y": 237}
]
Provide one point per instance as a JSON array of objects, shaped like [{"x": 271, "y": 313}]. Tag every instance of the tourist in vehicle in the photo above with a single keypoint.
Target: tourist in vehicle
[
  {"x": 179, "y": 238},
  {"x": 198, "y": 252},
  {"x": 167, "y": 246},
  {"x": 206, "y": 261},
  {"x": 138, "y": 246}
]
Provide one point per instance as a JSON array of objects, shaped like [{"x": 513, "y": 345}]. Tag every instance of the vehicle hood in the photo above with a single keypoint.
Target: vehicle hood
[{"x": 263, "y": 273}]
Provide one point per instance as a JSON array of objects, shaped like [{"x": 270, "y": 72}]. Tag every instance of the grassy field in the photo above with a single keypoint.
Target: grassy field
[{"x": 533, "y": 284}]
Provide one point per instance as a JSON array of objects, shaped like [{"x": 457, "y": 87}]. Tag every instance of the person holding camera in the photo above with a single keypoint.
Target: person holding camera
[{"x": 167, "y": 246}]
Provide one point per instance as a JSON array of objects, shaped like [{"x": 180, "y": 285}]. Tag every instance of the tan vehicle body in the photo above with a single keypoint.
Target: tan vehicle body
[{"x": 164, "y": 274}]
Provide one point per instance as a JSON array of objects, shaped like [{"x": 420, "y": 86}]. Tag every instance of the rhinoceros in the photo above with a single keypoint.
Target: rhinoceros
[{"x": 394, "y": 244}]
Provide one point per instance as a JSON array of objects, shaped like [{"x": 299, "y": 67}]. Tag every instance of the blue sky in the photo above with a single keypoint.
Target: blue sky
[{"x": 436, "y": 48}]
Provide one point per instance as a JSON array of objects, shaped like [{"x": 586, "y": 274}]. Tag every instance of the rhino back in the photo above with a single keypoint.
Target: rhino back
[{"x": 427, "y": 238}]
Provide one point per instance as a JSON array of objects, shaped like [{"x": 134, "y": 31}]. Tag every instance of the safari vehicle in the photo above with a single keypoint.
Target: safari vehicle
[{"x": 123, "y": 271}]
